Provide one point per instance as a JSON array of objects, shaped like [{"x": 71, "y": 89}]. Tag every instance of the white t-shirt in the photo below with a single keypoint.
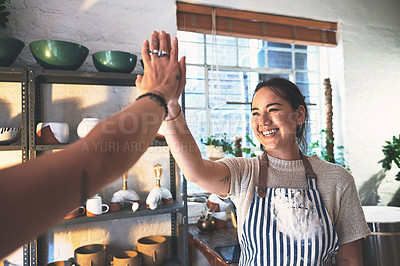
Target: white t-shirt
[{"x": 334, "y": 182}]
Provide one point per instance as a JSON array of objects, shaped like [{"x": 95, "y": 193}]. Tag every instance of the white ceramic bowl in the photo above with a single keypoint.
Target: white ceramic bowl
[
  {"x": 86, "y": 125},
  {"x": 9, "y": 135}
]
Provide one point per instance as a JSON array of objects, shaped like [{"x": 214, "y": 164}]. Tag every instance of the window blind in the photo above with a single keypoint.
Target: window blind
[{"x": 246, "y": 24}]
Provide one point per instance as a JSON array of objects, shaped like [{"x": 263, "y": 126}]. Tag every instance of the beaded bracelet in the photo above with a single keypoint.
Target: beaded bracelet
[{"x": 158, "y": 98}]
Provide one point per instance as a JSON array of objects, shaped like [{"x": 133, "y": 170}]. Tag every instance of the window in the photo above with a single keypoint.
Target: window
[{"x": 216, "y": 98}]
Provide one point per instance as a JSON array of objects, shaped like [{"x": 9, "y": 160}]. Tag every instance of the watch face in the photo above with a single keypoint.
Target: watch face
[{"x": 230, "y": 254}]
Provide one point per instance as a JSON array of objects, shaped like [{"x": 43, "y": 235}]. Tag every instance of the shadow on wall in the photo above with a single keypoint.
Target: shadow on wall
[
  {"x": 369, "y": 191},
  {"x": 5, "y": 115},
  {"x": 7, "y": 263}
]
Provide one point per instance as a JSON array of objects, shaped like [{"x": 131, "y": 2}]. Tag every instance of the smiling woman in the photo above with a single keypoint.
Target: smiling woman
[
  {"x": 279, "y": 116},
  {"x": 284, "y": 217}
]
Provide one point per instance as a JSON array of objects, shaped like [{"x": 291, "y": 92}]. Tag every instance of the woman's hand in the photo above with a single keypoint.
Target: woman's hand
[{"x": 161, "y": 68}]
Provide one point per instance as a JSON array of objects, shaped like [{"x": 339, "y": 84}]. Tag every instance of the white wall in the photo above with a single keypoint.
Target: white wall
[{"x": 365, "y": 79}]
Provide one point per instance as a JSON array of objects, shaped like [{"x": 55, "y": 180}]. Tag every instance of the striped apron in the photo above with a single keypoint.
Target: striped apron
[{"x": 287, "y": 226}]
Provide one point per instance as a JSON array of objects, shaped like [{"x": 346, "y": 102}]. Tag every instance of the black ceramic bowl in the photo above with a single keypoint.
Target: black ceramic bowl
[
  {"x": 61, "y": 55},
  {"x": 114, "y": 61},
  {"x": 10, "y": 48}
]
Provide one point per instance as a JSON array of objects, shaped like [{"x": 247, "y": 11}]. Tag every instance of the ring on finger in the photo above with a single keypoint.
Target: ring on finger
[
  {"x": 162, "y": 53},
  {"x": 155, "y": 51}
]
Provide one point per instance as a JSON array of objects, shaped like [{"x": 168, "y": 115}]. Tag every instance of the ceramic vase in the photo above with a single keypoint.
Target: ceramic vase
[{"x": 86, "y": 125}]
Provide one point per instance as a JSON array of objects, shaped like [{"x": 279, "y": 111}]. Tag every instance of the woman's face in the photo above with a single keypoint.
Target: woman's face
[{"x": 274, "y": 123}]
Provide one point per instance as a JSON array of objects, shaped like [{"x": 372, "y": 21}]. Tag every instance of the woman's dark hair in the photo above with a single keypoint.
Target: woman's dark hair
[{"x": 291, "y": 93}]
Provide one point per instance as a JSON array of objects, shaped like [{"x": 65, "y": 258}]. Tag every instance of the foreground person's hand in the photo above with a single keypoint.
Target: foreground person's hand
[{"x": 161, "y": 67}]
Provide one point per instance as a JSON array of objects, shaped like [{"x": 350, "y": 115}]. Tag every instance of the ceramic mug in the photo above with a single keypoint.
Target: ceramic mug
[
  {"x": 152, "y": 249},
  {"x": 91, "y": 255},
  {"x": 75, "y": 213},
  {"x": 126, "y": 258},
  {"x": 94, "y": 206}
]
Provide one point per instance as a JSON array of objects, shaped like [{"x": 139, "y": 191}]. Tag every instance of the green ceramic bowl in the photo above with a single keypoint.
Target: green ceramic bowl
[
  {"x": 10, "y": 48},
  {"x": 114, "y": 61},
  {"x": 61, "y": 55}
]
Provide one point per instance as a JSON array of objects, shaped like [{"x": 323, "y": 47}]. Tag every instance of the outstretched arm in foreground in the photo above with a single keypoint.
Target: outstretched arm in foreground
[
  {"x": 34, "y": 196},
  {"x": 211, "y": 176}
]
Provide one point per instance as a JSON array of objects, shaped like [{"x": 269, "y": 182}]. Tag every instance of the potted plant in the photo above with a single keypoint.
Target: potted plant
[
  {"x": 251, "y": 151},
  {"x": 217, "y": 148},
  {"x": 318, "y": 147},
  {"x": 392, "y": 154},
  {"x": 10, "y": 47}
]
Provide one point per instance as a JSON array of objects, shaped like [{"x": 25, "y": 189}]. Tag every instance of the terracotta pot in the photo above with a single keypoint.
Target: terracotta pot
[
  {"x": 93, "y": 255},
  {"x": 126, "y": 258},
  {"x": 152, "y": 249},
  {"x": 220, "y": 219}
]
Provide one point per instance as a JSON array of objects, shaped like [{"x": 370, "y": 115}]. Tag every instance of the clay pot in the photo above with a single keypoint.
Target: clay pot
[
  {"x": 126, "y": 258},
  {"x": 220, "y": 219},
  {"x": 152, "y": 249},
  {"x": 94, "y": 255}
]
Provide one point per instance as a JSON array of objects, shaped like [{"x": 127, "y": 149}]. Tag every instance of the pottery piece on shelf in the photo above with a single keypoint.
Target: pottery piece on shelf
[
  {"x": 122, "y": 197},
  {"x": 95, "y": 206},
  {"x": 60, "y": 55},
  {"x": 158, "y": 195},
  {"x": 76, "y": 213},
  {"x": 52, "y": 133},
  {"x": 9, "y": 135},
  {"x": 87, "y": 124},
  {"x": 153, "y": 250},
  {"x": 10, "y": 48},
  {"x": 94, "y": 254},
  {"x": 124, "y": 258},
  {"x": 114, "y": 61},
  {"x": 125, "y": 196},
  {"x": 68, "y": 262}
]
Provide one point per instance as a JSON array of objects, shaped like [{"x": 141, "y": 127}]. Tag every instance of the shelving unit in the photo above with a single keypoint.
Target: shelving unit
[
  {"x": 36, "y": 77},
  {"x": 9, "y": 74}
]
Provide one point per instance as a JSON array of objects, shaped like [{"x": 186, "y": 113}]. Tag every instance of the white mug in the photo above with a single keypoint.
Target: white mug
[{"x": 94, "y": 206}]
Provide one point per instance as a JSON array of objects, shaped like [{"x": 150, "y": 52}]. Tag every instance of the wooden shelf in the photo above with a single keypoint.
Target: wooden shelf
[
  {"x": 86, "y": 78},
  {"x": 174, "y": 207},
  {"x": 11, "y": 147}
]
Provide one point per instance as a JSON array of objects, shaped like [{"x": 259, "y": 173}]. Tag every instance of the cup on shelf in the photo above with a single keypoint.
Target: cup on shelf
[
  {"x": 52, "y": 133},
  {"x": 94, "y": 206},
  {"x": 94, "y": 254},
  {"x": 76, "y": 213},
  {"x": 152, "y": 250},
  {"x": 124, "y": 258},
  {"x": 68, "y": 262}
]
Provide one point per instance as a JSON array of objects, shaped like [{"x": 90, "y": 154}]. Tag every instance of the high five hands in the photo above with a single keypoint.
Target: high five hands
[{"x": 163, "y": 73}]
